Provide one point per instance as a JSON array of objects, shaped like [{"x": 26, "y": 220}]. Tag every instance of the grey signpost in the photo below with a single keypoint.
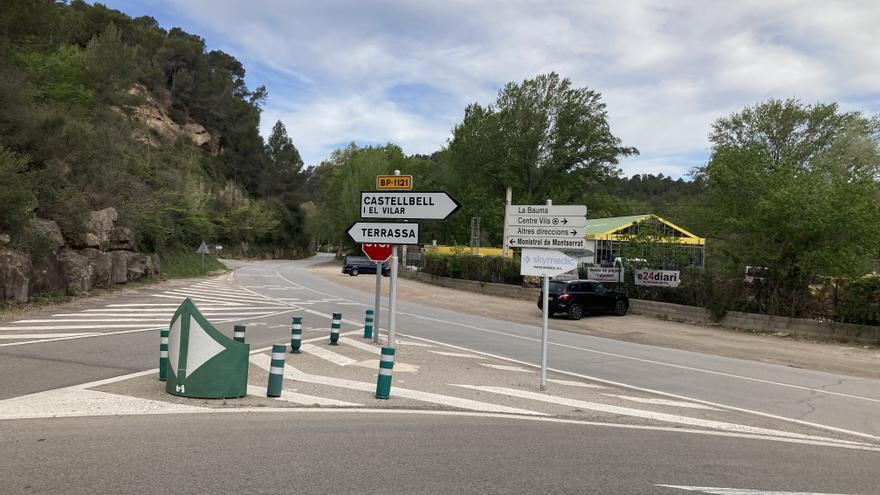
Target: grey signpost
[
  {"x": 537, "y": 229},
  {"x": 203, "y": 250}
]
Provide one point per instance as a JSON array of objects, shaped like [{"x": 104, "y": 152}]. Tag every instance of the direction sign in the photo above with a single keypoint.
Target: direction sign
[
  {"x": 407, "y": 205},
  {"x": 377, "y": 252},
  {"x": 394, "y": 182},
  {"x": 384, "y": 233},
  {"x": 545, "y": 263},
  {"x": 549, "y": 242},
  {"x": 566, "y": 232},
  {"x": 545, "y": 221},
  {"x": 548, "y": 210}
]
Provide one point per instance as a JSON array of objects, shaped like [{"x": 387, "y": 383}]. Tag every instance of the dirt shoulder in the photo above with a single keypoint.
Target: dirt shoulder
[{"x": 846, "y": 359}]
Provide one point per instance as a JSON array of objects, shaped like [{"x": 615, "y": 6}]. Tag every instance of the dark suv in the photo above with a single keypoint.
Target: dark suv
[
  {"x": 576, "y": 297},
  {"x": 354, "y": 265}
]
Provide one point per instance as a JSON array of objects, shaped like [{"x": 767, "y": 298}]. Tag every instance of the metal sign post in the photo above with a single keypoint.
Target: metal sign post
[
  {"x": 392, "y": 300},
  {"x": 378, "y": 302},
  {"x": 545, "y": 306}
]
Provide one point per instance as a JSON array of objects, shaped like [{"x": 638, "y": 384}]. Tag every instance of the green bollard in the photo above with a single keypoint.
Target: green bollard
[
  {"x": 276, "y": 370},
  {"x": 334, "y": 328},
  {"x": 386, "y": 363},
  {"x": 163, "y": 354},
  {"x": 296, "y": 333},
  {"x": 238, "y": 333},
  {"x": 368, "y": 325}
]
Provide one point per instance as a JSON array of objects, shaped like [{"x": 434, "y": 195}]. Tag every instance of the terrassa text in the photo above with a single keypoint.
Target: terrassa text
[{"x": 399, "y": 233}]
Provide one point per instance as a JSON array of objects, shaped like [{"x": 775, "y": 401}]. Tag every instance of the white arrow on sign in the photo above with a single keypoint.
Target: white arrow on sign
[
  {"x": 545, "y": 221},
  {"x": 545, "y": 263},
  {"x": 561, "y": 232},
  {"x": 384, "y": 233},
  {"x": 549, "y": 210},
  {"x": 407, "y": 205}
]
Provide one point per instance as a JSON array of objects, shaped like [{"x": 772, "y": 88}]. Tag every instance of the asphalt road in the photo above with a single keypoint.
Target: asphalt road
[
  {"x": 366, "y": 453},
  {"x": 382, "y": 452}
]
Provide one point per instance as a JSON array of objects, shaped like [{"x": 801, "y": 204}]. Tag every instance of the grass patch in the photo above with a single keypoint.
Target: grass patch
[{"x": 188, "y": 264}]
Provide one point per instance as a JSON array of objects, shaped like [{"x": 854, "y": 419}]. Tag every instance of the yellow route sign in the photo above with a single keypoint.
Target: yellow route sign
[{"x": 394, "y": 182}]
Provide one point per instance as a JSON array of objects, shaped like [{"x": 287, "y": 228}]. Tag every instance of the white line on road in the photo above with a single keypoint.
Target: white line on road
[
  {"x": 263, "y": 361},
  {"x": 663, "y": 402},
  {"x": 41, "y": 335},
  {"x": 297, "y": 398},
  {"x": 360, "y": 345},
  {"x": 574, "y": 384},
  {"x": 740, "y": 491},
  {"x": 327, "y": 355},
  {"x": 506, "y": 368},
  {"x": 457, "y": 354},
  {"x": 640, "y": 413}
]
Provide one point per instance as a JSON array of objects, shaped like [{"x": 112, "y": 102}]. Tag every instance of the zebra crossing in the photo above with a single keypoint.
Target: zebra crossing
[{"x": 219, "y": 299}]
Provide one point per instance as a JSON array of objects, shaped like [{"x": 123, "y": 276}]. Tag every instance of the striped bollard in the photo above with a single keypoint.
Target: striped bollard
[
  {"x": 368, "y": 325},
  {"x": 296, "y": 333},
  {"x": 334, "y": 328},
  {"x": 238, "y": 333},
  {"x": 276, "y": 370},
  {"x": 163, "y": 354},
  {"x": 386, "y": 363}
]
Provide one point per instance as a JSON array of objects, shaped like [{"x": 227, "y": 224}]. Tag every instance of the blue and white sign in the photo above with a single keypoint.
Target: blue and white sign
[{"x": 545, "y": 262}]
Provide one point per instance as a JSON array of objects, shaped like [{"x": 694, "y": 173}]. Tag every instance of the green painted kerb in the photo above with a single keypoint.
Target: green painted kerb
[
  {"x": 296, "y": 331},
  {"x": 334, "y": 328},
  {"x": 386, "y": 363},
  {"x": 163, "y": 354},
  {"x": 276, "y": 370}
]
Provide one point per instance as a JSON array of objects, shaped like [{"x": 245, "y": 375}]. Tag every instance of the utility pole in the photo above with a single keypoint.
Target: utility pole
[{"x": 505, "y": 250}]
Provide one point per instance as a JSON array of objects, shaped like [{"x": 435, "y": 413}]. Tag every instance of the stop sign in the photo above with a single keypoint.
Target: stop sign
[{"x": 377, "y": 252}]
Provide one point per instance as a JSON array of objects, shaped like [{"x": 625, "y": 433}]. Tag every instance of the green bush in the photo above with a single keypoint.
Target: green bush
[
  {"x": 492, "y": 269},
  {"x": 17, "y": 199},
  {"x": 858, "y": 301}
]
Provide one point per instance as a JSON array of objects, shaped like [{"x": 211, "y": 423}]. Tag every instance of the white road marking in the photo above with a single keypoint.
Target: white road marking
[
  {"x": 147, "y": 316},
  {"x": 327, "y": 355},
  {"x": 41, "y": 335},
  {"x": 573, "y": 384},
  {"x": 506, "y": 368},
  {"x": 203, "y": 309},
  {"x": 216, "y": 298},
  {"x": 237, "y": 296},
  {"x": 70, "y": 327},
  {"x": 181, "y": 298},
  {"x": 87, "y": 320},
  {"x": 740, "y": 491},
  {"x": 658, "y": 392},
  {"x": 263, "y": 361},
  {"x": 412, "y": 344},
  {"x": 663, "y": 402},
  {"x": 360, "y": 345},
  {"x": 640, "y": 413},
  {"x": 456, "y": 354},
  {"x": 297, "y": 398}
]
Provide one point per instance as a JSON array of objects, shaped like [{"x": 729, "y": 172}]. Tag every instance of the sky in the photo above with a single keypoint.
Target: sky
[{"x": 375, "y": 72}]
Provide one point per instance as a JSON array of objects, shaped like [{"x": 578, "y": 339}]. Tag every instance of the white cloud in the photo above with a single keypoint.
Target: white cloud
[{"x": 667, "y": 70}]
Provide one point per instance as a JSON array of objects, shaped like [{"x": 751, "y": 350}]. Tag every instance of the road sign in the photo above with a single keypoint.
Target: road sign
[
  {"x": 545, "y": 263},
  {"x": 545, "y": 221},
  {"x": 549, "y": 242},
  {"x": 549, "y": 210},
  {"x": 377, "y": 252},
  {"x": 407, "y": 205},
  {"x": 562, "y": 232},
  {"x": 384, "y": 233},
  {"x": 394, "y": 182},
  {"x": 203, "y": 249}
]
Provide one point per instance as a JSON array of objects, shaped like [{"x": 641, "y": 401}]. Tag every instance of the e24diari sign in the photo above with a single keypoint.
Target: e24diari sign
[{"x": 657, "y": 278}]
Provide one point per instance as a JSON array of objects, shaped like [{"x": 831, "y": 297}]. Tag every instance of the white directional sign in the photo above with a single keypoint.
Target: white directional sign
[
  {"x": 545, "y": 263},
  {"x": 549, "y": 242},
  {"x": 564, "y": 232},
  {"x": 384, "y": 233},
  {"x": 407, "y": 205},
  {"x": 545, "y": 221},
  {"x": 549, "y": 210}
]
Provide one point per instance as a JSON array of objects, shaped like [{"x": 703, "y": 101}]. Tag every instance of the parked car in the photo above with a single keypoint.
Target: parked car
[
  {"x": 577, "y": 297},
  {"x": 355, "y": 265}
]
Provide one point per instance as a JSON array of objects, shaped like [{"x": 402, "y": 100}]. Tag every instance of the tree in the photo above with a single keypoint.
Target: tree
[
  {"x": 792, "y": 189},
  {"x": 543, "y": 137}
]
